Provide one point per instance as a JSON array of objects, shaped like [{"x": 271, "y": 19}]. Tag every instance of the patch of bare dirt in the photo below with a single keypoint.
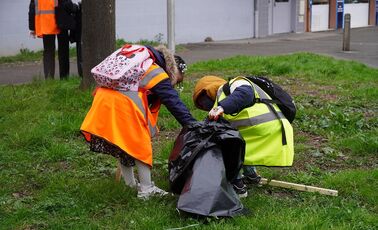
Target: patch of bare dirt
[
  {"x": 21, "y": 194},
  {"x": 64, "y": 165},
  {"x": 327, "y": 159},
  {"x": 164, "y": 135},
  {"x": 313, "y": 140},
  {"x": 279, "y": 193},
  {"x": 296, "y": 87}
]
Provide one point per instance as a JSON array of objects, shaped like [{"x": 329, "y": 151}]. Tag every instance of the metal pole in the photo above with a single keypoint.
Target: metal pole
[
  {"x": 256, "y": 18},
  {"x": 346, "y": 35},
  {"x": 171, "y": 24}
]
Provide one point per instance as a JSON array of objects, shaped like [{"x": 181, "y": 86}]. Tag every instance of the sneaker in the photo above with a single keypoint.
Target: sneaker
[
  {"x": 152, "y": 190},
  {"x": 240, "y": 188},
  {"x": 251, "y": 178}
]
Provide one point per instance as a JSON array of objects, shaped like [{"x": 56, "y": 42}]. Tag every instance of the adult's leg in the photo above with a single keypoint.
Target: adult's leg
[
  {"x": 49, "y": 55},
  {"x": 64, "y": 54},
  {"x": 79, "y": 58}
]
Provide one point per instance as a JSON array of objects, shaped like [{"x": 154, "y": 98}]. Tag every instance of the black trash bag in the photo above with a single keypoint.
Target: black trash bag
[
  {"x": 207, "y": 191},
  {"x": 205, "y": 158}
]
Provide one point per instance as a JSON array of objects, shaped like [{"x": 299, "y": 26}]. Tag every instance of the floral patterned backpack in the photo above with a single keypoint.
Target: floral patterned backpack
[{"x": 124, "y": 68}]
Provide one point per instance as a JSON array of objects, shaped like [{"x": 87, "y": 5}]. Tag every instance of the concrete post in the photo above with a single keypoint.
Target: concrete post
[
  {"x": 171, "y": 25},
  {"x": 346, "y": 34}
]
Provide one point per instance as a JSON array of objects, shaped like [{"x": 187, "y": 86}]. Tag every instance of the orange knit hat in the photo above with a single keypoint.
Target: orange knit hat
[{"x": 208, "y": 85}]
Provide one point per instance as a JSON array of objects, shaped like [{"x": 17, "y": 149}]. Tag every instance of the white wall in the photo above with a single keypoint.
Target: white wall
[
  {"x": 14, "y": 27},
  {"x": 219, "y": 19},
  {"x": 143, "y": 19},
  {"x": 319, "y": 17},
  {"x": 195, "y": 19},
  {"x": 282, "y": 16},
  {"x": 359, "y": 14},
  {"x": 136, "y": 19}
]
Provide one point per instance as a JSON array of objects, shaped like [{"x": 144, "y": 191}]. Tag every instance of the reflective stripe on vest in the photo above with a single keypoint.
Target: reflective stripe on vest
[
  {"x": 45, "y": 22},
  {"x": 263, "y": 118},
  {"x": 260, "y": 93},
  {"x": 144, "y": 82},
  {"x": 134, "y": 96},
  {"x": 38, "y": 11},
  {"x": 256, "y": 120},
  {"x": 268, "y": 135}
]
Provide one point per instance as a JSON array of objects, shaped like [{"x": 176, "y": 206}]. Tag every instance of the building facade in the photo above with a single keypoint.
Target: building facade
[
  {"x": 197, "y": 20},
  {"x": 329, "y": 14},
  {"x": 218, "y": 19}
]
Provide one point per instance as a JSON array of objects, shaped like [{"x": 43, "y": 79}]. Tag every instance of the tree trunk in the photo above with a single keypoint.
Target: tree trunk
[{"x": 98, "y": 35}]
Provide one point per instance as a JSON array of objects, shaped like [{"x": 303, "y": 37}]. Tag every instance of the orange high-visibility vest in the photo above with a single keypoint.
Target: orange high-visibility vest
[
  {"x": 124, "y": 118},
  {"x": 45, "y": 17}
]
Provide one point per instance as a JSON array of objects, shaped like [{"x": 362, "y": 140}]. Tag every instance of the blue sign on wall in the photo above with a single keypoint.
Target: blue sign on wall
[{"x": 339, "y": 13}]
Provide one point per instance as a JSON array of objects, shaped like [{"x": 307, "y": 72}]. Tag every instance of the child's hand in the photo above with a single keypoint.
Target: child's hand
[{"x": 215, "y": 113}]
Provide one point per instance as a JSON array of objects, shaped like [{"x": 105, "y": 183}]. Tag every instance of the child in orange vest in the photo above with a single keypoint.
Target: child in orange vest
[{"x": 122, "y": 123}]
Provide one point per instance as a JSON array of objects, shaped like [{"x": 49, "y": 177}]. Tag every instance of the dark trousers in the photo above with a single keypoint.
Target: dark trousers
[
  {"x": 79, "y": 59},
  {"x": 49, "y": 55}
]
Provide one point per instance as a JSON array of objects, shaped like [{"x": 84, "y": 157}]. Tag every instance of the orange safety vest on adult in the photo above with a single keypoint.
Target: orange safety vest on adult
[
  {"x": 124, "y": 118},
  {"x": 45, "y": 22}
]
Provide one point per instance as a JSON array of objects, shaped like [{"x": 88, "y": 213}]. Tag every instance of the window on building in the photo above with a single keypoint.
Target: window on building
[
  {"x": 320, "y": 2},
  {"x": 356, "y": 1}
]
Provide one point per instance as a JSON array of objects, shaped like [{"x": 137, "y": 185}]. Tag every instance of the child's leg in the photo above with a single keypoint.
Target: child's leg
[
  {"x": 144, "y": 174},
  {"x": 249, "y": 170},
  {"x": 240, "y": 175},
  {"x": 128, "y": 175},
  {"x": 250, "y": 175},
  {"x": 147, "y": 187},
  {"x": 239, "y": 186}
]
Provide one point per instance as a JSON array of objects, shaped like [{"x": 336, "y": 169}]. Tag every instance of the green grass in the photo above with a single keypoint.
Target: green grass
[
  {"x": 50, "y": 180},
  {"x": 23, "y": 56},
  {"x": 26, "y": 55}
]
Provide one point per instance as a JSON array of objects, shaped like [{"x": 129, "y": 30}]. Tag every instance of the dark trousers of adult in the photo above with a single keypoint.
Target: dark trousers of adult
[
  {"x": 79, "y": 59},
  {"x": 49, "y": 55}
]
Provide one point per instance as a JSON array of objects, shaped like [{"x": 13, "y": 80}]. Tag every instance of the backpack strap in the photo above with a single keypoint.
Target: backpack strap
[
  {"x": 272, "y": 109},
  {"x": 264, "y": 100},
  {"x": 226, "y": 88},
  {"x": 158, "y": 57},
  {"x": 268, "y": 102}
]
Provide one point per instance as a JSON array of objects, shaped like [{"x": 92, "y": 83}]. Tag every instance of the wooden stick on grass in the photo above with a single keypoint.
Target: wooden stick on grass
[
  {"x": 118, "y": 173},
  {"x": 299, "y": 187},
  {"x": 276, "y": 183}
]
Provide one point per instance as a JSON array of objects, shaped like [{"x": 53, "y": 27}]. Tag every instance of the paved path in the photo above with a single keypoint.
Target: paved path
[{"x": 364, "y": 48}]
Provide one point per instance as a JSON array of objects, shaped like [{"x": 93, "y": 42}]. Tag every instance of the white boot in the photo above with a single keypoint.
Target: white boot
[
  {"x": 145, "y": 192},
  {"x": 147, "y": 188}
]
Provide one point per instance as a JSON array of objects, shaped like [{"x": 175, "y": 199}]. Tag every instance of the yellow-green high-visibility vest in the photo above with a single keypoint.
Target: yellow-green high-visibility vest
[{"x": 262, "y": 131}]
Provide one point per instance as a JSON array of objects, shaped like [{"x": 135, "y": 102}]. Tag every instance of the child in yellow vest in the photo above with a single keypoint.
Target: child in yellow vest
[{"x": 260, "y": 127}]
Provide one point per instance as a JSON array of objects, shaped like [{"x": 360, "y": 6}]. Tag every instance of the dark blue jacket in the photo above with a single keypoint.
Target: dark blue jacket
[
  {"x": 169, "y": 97},
  {"x": 242, "y": 97}
]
